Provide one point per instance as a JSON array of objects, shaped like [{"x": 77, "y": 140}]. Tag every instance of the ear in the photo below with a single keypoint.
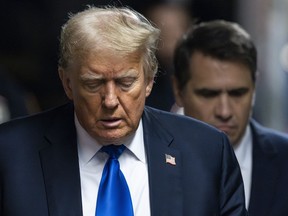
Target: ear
[
  {"x": 177, "y": 92},
  {"x": 149, "y": 86},
  {"x": 66, "y": 82}
]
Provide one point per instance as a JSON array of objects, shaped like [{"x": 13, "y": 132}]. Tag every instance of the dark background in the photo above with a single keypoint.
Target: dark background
[{"x": 29, "y": 32}]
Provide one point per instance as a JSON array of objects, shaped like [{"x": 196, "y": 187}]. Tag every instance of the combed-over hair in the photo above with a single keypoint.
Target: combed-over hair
[{"x": 122, "y": 31}]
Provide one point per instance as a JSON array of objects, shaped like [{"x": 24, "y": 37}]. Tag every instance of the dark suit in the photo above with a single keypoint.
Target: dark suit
[
  {"x": 269, "y": 191},
  {"x": 39, "y": 169}
]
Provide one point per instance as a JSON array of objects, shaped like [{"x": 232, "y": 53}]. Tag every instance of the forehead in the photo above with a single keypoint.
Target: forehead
[
  {"x": 109, "y": 65},
  {"x": 206, "y": 70}
]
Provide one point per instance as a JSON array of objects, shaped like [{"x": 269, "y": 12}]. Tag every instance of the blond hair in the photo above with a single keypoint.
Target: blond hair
[{"x": 120, "y": 30}]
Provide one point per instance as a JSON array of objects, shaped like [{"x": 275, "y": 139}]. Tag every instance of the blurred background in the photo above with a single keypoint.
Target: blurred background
[{"x": 29, "y": 39}]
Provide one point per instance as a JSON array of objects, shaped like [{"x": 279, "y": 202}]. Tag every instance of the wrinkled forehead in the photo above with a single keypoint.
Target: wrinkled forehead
[{"x": 110, "y": 58}]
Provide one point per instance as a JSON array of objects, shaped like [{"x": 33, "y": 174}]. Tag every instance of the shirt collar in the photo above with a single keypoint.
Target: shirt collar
[
  {"x": 88, "y": 146},
  {"x": 244, "y": 149},
  {"x": 135, "y": 143}
]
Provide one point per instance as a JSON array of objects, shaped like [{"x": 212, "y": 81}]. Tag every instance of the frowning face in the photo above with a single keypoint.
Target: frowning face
[
  {"x": 219, "y": 93},
  {"x": 109, "y": 95}
]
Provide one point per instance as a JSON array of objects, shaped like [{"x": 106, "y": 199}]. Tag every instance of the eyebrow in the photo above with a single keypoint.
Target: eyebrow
[
  {"x": 204, "y": 90},
  {"x": 200, "y": 90},
  {"x": 129, "y": 73},
  {"x": 90, "y": 75}
]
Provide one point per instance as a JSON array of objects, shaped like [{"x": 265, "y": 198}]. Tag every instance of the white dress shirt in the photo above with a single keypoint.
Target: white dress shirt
[
  {"x": 243, "y": 152},
  {"x": 133, "y": 164},
  {"x": 176, "y": 109}
]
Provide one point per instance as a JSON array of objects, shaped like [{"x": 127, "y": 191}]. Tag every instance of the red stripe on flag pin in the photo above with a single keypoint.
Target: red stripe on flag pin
[{"x": 170, "y": 160}]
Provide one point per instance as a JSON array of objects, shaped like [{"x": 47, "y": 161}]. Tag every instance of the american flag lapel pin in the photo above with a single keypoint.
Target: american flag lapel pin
[{"x": 170, "y": 160}]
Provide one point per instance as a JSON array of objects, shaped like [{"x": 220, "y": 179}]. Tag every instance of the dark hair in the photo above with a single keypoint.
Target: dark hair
[{"x": 218, "y": 39}]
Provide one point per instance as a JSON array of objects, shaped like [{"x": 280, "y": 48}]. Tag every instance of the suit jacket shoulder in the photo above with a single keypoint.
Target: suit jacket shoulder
[
  {"x": 205, "y": 179},
  {"x": 39, "y": 170},
  {"x": 269, "y": 138},
  {"x": 269, "y": 192}
]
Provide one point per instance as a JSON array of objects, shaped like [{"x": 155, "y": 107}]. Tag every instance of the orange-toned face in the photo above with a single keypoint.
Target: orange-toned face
[
  {"x": 109, "y": 95},
  {"x": 219, "y": 93}
]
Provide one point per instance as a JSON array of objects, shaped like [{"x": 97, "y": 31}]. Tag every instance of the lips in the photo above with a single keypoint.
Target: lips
[
  {"x": 226, "y": 128},
  {"x": 111, "y": 123}
]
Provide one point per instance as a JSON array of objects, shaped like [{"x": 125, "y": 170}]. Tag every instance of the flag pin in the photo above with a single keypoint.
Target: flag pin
[{"x": 170, "y": 160}]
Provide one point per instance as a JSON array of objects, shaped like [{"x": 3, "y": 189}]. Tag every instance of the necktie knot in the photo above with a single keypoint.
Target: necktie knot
[{"x": 114, "y": 151}]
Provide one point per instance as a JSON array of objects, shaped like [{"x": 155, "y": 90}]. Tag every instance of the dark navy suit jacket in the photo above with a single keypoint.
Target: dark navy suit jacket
[
  {"x": 269, "y": 190},
  {"x": 39, "y": 170}
]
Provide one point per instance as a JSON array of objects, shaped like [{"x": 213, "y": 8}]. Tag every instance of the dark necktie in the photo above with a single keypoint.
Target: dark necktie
[{"x": 113, "y": 196}]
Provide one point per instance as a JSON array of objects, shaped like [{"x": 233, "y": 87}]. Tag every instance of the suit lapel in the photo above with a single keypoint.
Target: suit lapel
[
  {"x": 60, "y": 167},
  {"x": 164, "y": 178},
  {"x": 264, "y": 174}
]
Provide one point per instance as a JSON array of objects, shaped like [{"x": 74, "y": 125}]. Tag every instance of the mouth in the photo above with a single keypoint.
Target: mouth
[
  {"x": 226, "y": 128},
  {"x": 111, "y": 122}
]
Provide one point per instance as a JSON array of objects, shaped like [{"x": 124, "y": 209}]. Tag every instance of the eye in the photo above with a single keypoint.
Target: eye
[
  {"x": 238, "y": 92},
  {"x": 207, "y": 93},
  {"x": 93, "y": 86},
  {"x": 126, "y": 83}
]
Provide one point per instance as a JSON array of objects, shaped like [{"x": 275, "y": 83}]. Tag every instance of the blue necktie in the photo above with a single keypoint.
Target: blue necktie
[{"x": 113, "y": 196}]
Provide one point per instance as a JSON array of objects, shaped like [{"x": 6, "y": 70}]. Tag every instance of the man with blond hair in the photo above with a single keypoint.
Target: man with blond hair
[{"x": 105, "y": 153}]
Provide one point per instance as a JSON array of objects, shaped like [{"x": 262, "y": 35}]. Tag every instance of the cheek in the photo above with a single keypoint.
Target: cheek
[
  {"x": 133, "y": 101},
  {"x": 202, "y": 113},
  {"x": 87, "y": 110},
  {"x": 87, "y": 104},
  {"x": 139, "y": 92},
  {"x": 196, "y": 108},
  {"x": 245, "y": 106},
  {"x": 244, "y": 111}
]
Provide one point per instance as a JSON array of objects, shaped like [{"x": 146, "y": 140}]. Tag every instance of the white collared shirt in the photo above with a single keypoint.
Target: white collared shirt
[
  {"x": 133, "y": 164},
  {"x": 243, "y": 152}
]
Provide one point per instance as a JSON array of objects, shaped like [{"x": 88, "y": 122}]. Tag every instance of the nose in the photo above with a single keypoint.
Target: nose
[
  {"x": 223, "y": 109},
  {"x": 110, "y": 98}
]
